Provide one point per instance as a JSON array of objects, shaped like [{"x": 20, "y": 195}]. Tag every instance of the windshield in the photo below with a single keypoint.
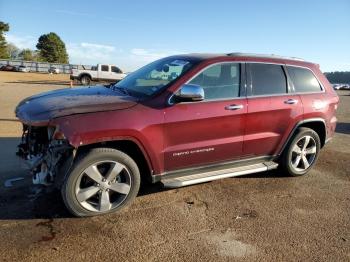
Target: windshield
[{"x": 151, "y": 78}]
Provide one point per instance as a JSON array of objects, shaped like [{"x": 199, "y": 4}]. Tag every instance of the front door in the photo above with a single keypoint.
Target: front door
[
  {"x": 209, "y": 131},
  {"x": 116, "y": 73}
]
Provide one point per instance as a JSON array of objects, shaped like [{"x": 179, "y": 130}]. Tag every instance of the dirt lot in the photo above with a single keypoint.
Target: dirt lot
[{"x": 265, "y": 217}]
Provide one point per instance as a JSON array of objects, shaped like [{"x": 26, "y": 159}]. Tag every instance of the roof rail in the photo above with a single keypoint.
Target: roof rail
[{"x": 264, "y": 56}]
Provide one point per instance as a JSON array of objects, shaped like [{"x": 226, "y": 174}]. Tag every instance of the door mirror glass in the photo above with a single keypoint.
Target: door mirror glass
[{"x": 188, "y": 93}]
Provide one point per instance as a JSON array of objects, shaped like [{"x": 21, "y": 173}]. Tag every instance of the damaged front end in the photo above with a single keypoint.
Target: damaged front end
[
  {"x": 46, "y": 151},
  {"x": 43, "y": 146}
]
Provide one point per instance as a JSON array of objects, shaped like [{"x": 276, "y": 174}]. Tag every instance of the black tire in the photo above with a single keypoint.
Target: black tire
[
  {"x": 98, "y": 155},
  {"x": 85, "y": 80},
  {"x": 289, "y": 155}
]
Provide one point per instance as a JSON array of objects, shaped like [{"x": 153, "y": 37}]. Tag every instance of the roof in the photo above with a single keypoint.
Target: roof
[
  {"x": 204, "y": 56},
  {"x": 265, "y": 56}
]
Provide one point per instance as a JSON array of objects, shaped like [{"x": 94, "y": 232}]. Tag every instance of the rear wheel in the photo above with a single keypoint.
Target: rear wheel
[
  {"x": 85, "y": 80},
  {"x": 301, "y": 153},
  {"x": 102, "y": 181}
]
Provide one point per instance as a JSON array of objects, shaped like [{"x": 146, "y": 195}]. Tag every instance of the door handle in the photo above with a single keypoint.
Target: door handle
[
  {"x": 291, "y": 101},
  {"x": 233, "y": 107}
]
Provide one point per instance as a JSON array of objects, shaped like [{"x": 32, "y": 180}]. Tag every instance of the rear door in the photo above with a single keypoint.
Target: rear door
[
  {"x": 272, "y": 109},
  {"x": 312, "y": 93},
  {"x": 105, "y": 72},
  {"x": 209, "y": 131}
]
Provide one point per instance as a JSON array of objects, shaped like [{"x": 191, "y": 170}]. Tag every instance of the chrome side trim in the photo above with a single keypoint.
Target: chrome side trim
[
  {"x": 309, "y": 93},
  {"x": 272, "y": 95},
  {"x": 206, "y": 101}
]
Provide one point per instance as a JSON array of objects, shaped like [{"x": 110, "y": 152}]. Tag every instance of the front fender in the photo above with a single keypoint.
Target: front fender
[{"x": 88, "y": 129}]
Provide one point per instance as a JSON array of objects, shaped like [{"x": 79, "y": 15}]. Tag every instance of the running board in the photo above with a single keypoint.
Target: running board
[{"x": 217, "y": 174}]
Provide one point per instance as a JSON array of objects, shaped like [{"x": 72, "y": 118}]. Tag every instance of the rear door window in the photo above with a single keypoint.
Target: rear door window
[
  {"x": 267, "y": 79},
  {"x": 303, "y": 80},
  {"x": 105, "y": 68}
]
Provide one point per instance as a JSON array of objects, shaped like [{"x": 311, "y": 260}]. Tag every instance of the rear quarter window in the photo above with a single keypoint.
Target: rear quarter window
[{"x": 303, "y": 80}]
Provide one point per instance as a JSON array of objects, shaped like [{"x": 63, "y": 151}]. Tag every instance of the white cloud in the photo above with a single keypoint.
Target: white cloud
[
  {"x": 150, "y": 54},
  {"x": 21, "y": 42},
  {"x": 107, "y": 48},
  {"x": 91, "y": 53}
]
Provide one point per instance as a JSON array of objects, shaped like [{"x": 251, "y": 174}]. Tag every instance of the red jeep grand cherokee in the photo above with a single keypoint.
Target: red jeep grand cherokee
[{"x": 180, "y": 120}]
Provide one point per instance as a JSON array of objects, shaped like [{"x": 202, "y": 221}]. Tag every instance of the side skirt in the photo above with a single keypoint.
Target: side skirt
[
  {"x": 211, "y": 169},
  {"x": 217, "y": 174}
]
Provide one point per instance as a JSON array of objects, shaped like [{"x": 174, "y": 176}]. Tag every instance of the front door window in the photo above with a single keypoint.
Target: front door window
[{"x": 220, "y": 81}]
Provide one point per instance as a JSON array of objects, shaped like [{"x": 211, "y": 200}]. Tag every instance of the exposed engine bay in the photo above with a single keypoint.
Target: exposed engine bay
[{"x": 44, "y": 155}]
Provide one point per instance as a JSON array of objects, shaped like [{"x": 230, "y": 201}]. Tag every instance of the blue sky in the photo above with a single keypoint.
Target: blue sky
[{"x": 133, "y": 33}]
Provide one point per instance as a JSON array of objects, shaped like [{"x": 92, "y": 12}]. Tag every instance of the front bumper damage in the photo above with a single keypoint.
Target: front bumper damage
[{"x": 44, "y": 156}]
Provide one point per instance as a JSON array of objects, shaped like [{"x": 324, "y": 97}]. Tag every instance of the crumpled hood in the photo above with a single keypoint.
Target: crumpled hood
[{"x": 63, "y": 102}]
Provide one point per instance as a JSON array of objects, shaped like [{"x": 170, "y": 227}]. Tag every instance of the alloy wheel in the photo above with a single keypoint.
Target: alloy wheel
[
  {"x": 303, "y": 153},
  {"x": 103, "y": 186}
]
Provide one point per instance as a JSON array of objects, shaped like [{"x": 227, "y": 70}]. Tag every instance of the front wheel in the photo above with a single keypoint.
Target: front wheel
[
  {"x": 102, "y": 181},
  {"x": 85, "y": 80},
  {"x": 301, "y": 153}
]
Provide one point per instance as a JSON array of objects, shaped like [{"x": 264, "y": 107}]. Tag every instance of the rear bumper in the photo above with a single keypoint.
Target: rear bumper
[
  {"x": 327, "y": 140},
  {"x": 71, "y": 77},
  {"x": 331, "y": 128}
]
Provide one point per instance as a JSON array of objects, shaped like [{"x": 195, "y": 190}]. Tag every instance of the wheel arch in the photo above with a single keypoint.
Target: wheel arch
[
  {"x": 129, "y": 146},
  {"x": 84, "y": 74},
  {"x": 319, "y": 127},
  {"x": 316, "y": 124}
]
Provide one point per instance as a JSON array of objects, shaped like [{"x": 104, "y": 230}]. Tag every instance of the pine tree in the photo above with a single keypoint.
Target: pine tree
[
  {"x": 52, "y": 49},
  {"x": 3, "y": 45}
]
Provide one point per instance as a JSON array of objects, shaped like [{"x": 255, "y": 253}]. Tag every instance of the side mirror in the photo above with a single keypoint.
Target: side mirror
[
  {"x": 189, "y": 93},
  {"x": 166, "y": 68}
]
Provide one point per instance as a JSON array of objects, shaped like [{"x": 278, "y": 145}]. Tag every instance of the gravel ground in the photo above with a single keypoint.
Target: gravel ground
[{"x": 261, "y": 217}]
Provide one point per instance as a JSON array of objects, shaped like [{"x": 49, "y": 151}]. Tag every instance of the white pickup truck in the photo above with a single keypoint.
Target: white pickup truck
[{"x": 109, "y": 73}]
